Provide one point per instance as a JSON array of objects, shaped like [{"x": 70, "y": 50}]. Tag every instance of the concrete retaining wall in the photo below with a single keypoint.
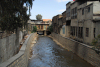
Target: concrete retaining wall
[
  {"x": 9, "y": 46},
  {"x": 20, "y": 59},
  {"x": 82, "y": 50}
]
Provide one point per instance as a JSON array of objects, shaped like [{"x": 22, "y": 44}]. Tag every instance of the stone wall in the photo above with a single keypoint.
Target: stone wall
[
  {"x": 20, "y": 59},
  {"x": 8, "y": 47},
  {"x": 82, "y": 50}
]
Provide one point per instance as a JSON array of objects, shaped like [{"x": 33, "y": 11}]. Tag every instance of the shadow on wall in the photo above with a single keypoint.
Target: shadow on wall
[
  {"x": 42, "y": 33},
  {"x": 76, "y": 46},
  {"x": 82, "y": 50}
]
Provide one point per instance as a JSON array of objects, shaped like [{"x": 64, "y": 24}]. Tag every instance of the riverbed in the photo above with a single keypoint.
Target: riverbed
[{"x": 46, "y": 53}]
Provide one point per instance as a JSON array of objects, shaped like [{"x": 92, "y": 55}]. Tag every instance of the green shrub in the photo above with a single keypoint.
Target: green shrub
[
  {"x": 98, "y": 36},
  {"x": 50, "y": 28},
  {"x": 94, "y": 42},
  {"x": 34, "y": 29}
]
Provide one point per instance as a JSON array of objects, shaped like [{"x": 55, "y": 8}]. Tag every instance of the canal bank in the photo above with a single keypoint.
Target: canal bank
[
  {"x": 82, "y": 50},
  {"x": 21, "y": 59},
  {"x": 46, "y": 53}
]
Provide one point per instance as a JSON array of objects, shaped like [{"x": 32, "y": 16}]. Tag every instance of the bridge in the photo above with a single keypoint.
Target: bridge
[{"x": 43, "y": 32}]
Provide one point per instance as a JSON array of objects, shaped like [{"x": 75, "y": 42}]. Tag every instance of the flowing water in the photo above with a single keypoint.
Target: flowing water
[{"x": 46, "y": 53}]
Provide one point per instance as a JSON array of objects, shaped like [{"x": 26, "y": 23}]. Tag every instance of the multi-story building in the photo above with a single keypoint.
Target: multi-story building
[
  {"x": 68, "y": 18},
  {"x": 88, "y": 25},
  {"x": 55, "y": 23},
  {"x": 63, "y": 22},
  {"x": 82, "y": 20}
]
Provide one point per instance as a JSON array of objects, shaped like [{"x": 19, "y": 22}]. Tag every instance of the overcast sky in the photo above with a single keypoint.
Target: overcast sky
[{"x": 48, "y": 8}]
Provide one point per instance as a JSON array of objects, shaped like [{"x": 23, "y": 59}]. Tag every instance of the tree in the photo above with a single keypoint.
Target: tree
[
  {"x": 39, "y": 17},
  {"x": 34, "y": 29},
  {"x": 13, "y": 14}
]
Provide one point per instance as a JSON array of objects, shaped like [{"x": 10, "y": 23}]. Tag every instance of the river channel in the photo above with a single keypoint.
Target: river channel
[{"x": 46, "y": 53}]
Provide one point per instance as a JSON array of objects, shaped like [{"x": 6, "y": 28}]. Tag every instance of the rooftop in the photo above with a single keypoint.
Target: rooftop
[{"x": 47, "y": 19}]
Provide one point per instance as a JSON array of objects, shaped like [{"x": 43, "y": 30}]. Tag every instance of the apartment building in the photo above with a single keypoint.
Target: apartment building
[
  {"x": 62, "y": 23},
  {"x": 55, "y": 23},
  {"x": 83, "y": 20},
  {"x": 68, "y": 18}
]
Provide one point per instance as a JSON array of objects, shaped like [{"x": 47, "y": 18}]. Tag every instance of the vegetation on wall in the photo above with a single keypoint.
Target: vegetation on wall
[
  {"x": 96, "y": 42},
  {"x": 50, "y": 28},
  {"x": 39, "y": 17},
  {"x": 13, "y": 14},
  {"x": 34, "y": 29}
]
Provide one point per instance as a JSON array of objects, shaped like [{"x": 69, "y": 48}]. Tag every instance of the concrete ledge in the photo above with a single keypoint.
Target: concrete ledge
[
  {"x": 14, "y": 59},
  {"x": 77, "y": 42},
  {"x": 82, "y": 50},
  {"x": 25, "y": 44}
]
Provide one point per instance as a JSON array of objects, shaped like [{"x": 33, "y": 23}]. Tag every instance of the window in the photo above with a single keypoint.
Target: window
[
  {"x": 72, "y": 13},
  {"x": 69, "y": 13},
  {"x": 94, "y": 32},
  {"x": 63, "y": 30},
  {"x": 75, "y": 9},
  {"x": 31, "y": 27},
  {"x": 87, "y": 32},
  {"x": 73, "y": 31},
  {"x": 44, "y": 27},
  {"x": 76, "y": 31},
  {"x": 38, "y": 27},
  {"x": 75, "y": 14},
  {"x": 80, "y": 32},
  {"x": 82, "y": 11},
  {"x": 41, "y": 26},
  {"x": 88, "y": 9}
]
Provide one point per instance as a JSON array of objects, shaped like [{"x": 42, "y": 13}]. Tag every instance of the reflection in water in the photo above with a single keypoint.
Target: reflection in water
[{"x": 46, "y": 53}]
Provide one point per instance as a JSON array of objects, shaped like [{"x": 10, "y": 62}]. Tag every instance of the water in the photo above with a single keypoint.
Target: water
[{"x": 46, "y": 53}]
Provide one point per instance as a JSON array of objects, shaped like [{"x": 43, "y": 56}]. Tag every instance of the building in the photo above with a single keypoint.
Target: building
[
  {"x": 55, "y": 23},
  {"x": 48, "y": 21},
  {"x": 63, "y": 26},
  {"x": 42, "y": 25},
  {"x": 68, "y": 18},
  {"x": 82, "y": 21},
  {"x": 83, "y": 24}
]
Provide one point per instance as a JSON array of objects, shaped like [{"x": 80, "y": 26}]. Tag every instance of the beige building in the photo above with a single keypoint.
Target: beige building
[
  {"x": 42, "y": 25},
  {"x": 63, "y": 28},
  {"x": 82, "y": 20},
  {"x": 55, "y": 23}
]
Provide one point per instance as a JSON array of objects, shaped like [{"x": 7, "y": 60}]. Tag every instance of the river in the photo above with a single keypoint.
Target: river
[{"x": 46, "y": 53}]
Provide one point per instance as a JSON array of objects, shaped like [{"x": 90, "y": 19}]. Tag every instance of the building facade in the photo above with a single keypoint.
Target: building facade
[
  {"x": 55, "y": 23},
  {"x": 63, "y": 29},
  {"x": 82, "y": 21},
  {"x": 40, "y": 24}
]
